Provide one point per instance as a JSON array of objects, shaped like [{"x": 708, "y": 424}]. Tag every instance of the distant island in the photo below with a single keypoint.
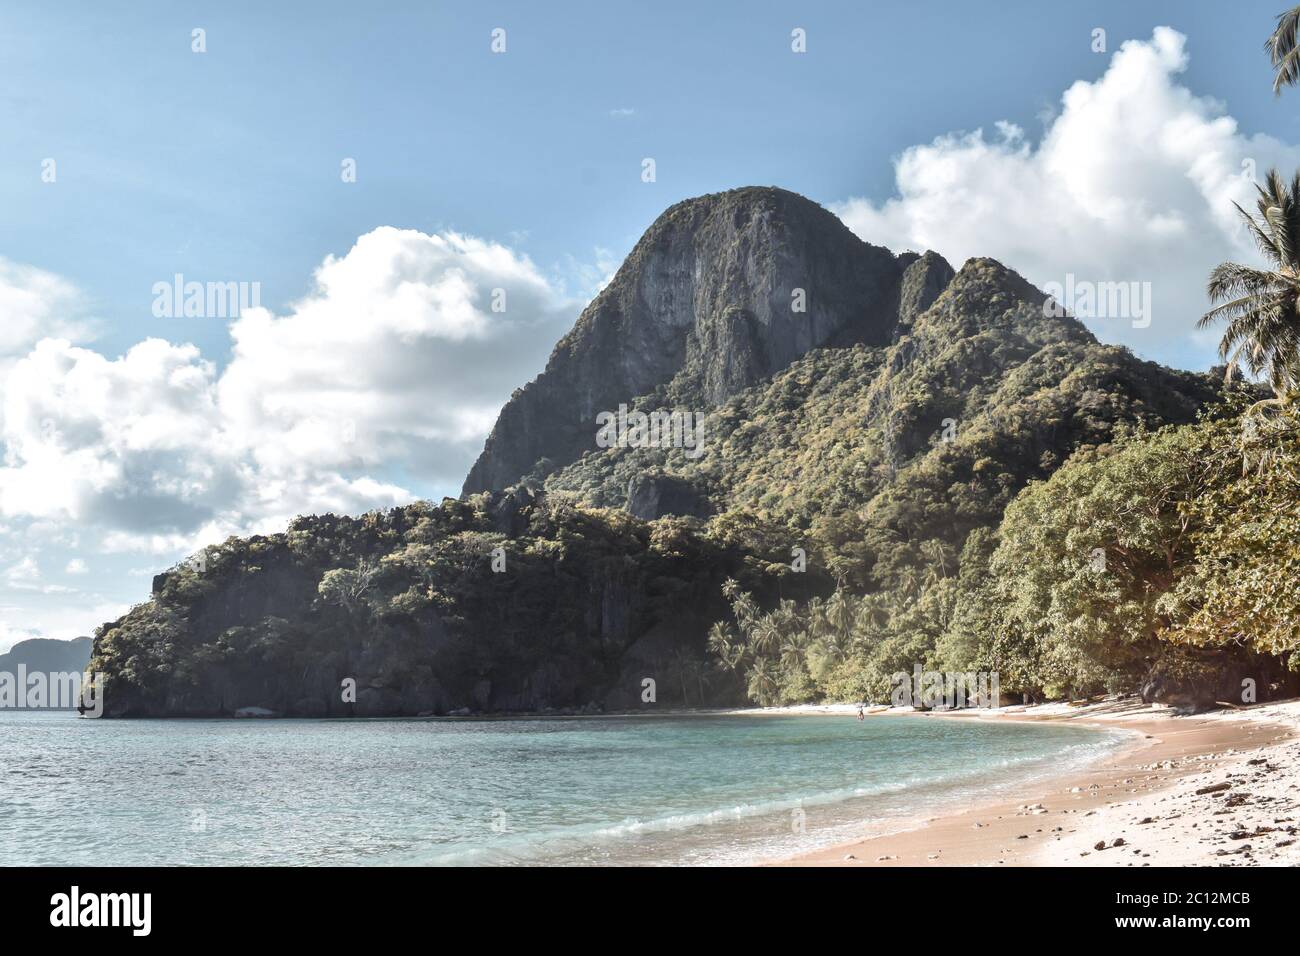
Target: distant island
[{"x": 42, "y": 655}]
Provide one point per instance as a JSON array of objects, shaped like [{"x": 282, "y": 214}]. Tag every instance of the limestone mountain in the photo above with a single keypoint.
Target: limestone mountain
[
  {"x": 720, "y": 293},
  {"x": 927, "y": 438},
  {"x": 883, "y": 431}
]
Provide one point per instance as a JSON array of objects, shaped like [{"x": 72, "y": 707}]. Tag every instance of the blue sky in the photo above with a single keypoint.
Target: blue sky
[{"x": 225, "y": 165}]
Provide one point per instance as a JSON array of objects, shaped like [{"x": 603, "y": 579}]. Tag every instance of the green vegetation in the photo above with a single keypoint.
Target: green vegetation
[
  {"x": 1164, "y": 561},
  {"x": 1161, "y": 558},
  {"x": 406, "y": 604},
  {"x": 1157, "y": 555},
  {"x": 925, "y": 478},
  {"x": 993, "y": 490}
]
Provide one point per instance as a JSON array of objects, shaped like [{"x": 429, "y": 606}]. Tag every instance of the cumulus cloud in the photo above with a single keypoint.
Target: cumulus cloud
[
  {"x": 377, "y": 386},
  {"x": 25, "y": 575},
  {"x": 131, "y": 442},
  {"x": 1132, "y": 180},
  {"x": 35, "y": 304},
  {"x": 404, "y": 352}
]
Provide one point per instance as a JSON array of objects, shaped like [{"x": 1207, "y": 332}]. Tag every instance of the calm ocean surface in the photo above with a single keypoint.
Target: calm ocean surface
[{"x": 724, "y": 789}]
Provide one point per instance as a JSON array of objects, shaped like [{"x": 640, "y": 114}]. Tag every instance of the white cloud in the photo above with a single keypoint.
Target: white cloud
[
  {"x": 25, "y": 574},
  {"x": 591, "y": 276},
  {"x": 76, "y": 566},
  {"x": 402, "y": 355},
  {"x": 388, "y": 373},
  {"x": 1132, "y": 180},
  {"x": 36, "y": 304},
  {"x": 132, "y": 442}
]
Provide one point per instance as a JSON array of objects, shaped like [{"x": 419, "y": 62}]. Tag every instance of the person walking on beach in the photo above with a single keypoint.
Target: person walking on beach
[{"x": 861, "y": 715}]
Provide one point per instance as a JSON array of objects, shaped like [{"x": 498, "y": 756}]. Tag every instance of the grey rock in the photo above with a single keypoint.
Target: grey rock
[
  {"x": 704, "y": 302},
  {"x": 655, "y": 495}
]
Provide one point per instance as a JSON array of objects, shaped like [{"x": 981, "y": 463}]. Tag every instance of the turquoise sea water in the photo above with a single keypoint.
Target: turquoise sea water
[{"x": 636, "y": 790}]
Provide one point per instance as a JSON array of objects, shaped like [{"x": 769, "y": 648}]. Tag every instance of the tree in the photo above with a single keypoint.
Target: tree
[
  {"x": 1281, "y": 47},
  {"x": 346, "y": 587},
  {"x": 792, "y": 651},
  {"x": 1260, "y": 305},
  {"x": 936, "y": 555},
  {"x": 764, "y": 682},
  {"x": 1244, "y": 589},
  {"x": 681, "y": 668},
  {"x": 1086, "y": 560},
  {"x": 722, "y": 645},
  {"x": 765, "y": 637}
]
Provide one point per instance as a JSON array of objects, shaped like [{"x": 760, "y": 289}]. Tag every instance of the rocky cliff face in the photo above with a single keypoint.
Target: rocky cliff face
[
  {"x": 924, "y": 279},
  {"x": 720, "y": 293}
]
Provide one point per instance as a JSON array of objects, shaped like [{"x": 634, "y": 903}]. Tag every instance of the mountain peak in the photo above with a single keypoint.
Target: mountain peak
[
  {"x": 986, "y": 295},
  {"x": 721, "y": 292}
]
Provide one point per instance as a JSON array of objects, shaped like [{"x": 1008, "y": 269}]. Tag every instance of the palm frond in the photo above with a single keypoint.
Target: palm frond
[
  {"x": 1262, "y": 239},
  {"x": 1261, "y": 307},
  {"x": 1281, "y": 47}
]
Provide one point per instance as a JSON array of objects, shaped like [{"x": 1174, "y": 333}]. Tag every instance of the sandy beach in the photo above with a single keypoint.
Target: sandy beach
[{"x": 1212, "y": 789}]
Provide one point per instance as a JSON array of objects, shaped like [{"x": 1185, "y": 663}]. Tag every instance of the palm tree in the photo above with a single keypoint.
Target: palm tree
[
  {"x": 724, "y": 646},
  {"x": 786, "y": 617},
  {"x": 818, "y": 625},
  {"x": 764, "y": 683},
  {"x": 876, "y": 610},
  {"x": 936, "y": 553},
  {"x": 792, "y": 651},
  {"x": 1260, "y": 305},
  {"x": 835, "y": 646},
  {"x": 766, "y": 635},
  {"x": 839, "y": 613},
  {"x": 1281, "y": 47},
  {"x": 692, "y": 669},
  {"x": 745, "y": 610},
  {"x": 720, "y": 639},
  {"x": 909, "y": 582}
]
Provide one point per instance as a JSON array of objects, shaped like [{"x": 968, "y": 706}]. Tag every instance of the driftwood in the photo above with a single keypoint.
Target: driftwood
[{"x": 1216, "y": 788}]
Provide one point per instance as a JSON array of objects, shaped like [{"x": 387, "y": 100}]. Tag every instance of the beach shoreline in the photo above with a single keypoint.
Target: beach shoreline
[{"x": 1139, "y": 804}]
